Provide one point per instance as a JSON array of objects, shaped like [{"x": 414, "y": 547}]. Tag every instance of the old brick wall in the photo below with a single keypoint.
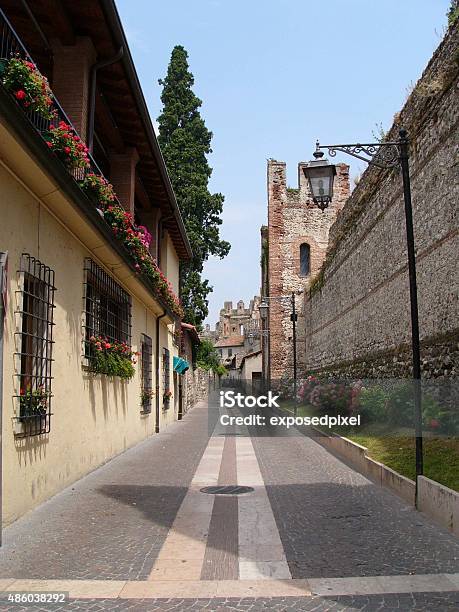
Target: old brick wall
[
  {"x": 293, "y": 219},
  {"x": 357, "y": 319}
]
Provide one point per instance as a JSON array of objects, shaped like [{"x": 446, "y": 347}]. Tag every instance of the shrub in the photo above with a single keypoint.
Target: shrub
[
  {"x": 306, "y": 387},
  {"x": 331, "y": 397},
  {"x": 373, "y": 404}
]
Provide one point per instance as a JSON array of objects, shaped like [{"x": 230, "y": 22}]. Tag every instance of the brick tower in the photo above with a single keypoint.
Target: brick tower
[{"x": 297, "y": 240}]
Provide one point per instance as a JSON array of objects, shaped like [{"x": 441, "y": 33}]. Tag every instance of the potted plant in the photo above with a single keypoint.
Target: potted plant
[
  {"x": 67, "y": 146},
  {"x": 167, "y": 395},
  {"x": 146, "y": 395},
  {"x": 111, "y": 358},
  {"x": 98, "y": 189},
  {"x": 33, "y": 402},
  {"x": 29, "y": 87}
]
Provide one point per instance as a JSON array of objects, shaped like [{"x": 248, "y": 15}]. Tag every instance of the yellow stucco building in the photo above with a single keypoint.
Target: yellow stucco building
[{"x": 72, "y": 277}]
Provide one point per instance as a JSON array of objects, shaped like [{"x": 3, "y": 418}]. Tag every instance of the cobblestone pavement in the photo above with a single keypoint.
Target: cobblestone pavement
[
  {"x": 310, "y": 517},
  {"x": 412, "y": 602},
  {"x": 111, "y": 524},
  {"x": 334, "y": 522}
]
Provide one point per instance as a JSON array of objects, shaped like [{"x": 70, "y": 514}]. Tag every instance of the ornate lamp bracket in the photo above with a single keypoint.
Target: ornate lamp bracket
[{"x": 384, "y": 155}]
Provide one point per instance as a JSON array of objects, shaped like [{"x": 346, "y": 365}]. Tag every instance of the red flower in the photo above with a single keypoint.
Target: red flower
[
  {"x": 20, "y": 94},
  {"x": 67, "y": 150},
  {"x": 50, "y": 144},
  {"x": 434, "y": 423}
]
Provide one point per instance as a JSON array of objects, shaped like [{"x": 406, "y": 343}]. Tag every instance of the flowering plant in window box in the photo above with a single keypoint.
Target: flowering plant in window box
[
  {"x": 99, "y": 189},
  {"x": 112, "y": 358},
  {"x": 33, "y": 402},
  {"x": 67, "y": 145},
  {"x": 146, "y": 395},
  {"x": 29, "y": 87},
  {"x": 136, "y": 241},
  {"x": 167, "y": 396}
]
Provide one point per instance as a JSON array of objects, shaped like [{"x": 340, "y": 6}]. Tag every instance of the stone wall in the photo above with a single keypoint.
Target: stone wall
[
  {"x": 197, "y": 383},
  {"x": 357, "y": 317},
  {"x": 293, "y": 219}
]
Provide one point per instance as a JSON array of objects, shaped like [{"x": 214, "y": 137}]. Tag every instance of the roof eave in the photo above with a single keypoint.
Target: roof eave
[{"x": 116, "y": 27}]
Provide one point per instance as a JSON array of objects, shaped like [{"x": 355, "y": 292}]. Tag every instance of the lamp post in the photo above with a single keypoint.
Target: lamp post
[
  {"x": 320, "y": 174},
  {"x": 264, "y": 309}
]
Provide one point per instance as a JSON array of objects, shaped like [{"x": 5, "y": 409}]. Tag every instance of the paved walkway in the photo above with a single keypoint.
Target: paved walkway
[{"x": 138, "y": 534}]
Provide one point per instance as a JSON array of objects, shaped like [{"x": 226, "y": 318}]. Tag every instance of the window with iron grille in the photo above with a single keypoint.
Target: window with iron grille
[
  {"x": 166, "y": 377},
  {"x": 107, "y": 308},
  {"x": 34, "y": 344},
  {"x": 146, "y": 355}
]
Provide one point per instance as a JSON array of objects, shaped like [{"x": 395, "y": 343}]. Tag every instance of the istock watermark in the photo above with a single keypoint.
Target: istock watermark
[
  {"x": 230, "y": 399},
  {"x": 259, "y": 420}
]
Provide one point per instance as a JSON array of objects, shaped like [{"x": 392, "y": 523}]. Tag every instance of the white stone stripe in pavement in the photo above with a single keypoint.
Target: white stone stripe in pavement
[
  {"x": 261, "y": 554},
  {"x": 113, "y": 589},
  {"x": 182, "y": 554}
]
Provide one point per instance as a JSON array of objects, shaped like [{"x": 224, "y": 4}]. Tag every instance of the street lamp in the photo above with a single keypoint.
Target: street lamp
[
  {"x": 385, "y": 155},
  {"x": 263, "y": 307},
  {"x": 320, "y": 174}
]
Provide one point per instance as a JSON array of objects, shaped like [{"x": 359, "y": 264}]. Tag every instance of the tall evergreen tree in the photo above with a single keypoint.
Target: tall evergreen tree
[{"x": 185, "y": 144}]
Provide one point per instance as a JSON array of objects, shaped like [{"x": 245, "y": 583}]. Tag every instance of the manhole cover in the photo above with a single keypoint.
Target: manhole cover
[{"x": 227, "y": 490}]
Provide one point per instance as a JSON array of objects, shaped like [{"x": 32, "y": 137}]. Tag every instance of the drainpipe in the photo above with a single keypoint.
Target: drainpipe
[
  {"x": 157, "y": 369},
  {"x": 92, "y": 93}
]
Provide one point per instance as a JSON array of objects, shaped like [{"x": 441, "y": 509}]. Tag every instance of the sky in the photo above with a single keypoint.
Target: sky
[{"x": 274, "y": 76}]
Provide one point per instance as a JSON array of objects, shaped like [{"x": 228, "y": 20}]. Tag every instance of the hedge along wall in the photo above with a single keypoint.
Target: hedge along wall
[{"x": 357, "y": 318}]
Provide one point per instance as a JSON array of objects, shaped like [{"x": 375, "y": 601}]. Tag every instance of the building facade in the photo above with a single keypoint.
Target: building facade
[
  {"x": 89, "y": 276},
  {"x": 293, "y": 247}
]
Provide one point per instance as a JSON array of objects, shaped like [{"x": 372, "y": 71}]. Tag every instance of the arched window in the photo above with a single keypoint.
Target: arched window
[{"x": 305, "y": 259}]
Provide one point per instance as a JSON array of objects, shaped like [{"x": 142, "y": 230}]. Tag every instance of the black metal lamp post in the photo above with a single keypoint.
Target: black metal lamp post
[
  {"x": 384, "y": 155},
  {"x": 264, "y": 308}
]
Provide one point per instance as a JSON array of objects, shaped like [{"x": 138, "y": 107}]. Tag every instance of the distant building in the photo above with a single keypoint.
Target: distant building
[{"x": 236, "y": 333}]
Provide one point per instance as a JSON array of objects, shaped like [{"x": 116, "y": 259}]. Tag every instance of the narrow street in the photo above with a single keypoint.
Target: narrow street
[{"x": 138, "y": 534}]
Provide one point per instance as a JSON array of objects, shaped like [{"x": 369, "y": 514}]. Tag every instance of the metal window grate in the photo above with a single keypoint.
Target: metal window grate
[
  {"x": 147, "y": 374},
  {"x": 34, "y": 342},
  {"x": 166, "y": 376},
  {"x": 107, "y": 308}
]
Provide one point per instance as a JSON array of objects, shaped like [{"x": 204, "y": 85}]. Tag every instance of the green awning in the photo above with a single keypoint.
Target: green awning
[{"x": 181, "y": 365}]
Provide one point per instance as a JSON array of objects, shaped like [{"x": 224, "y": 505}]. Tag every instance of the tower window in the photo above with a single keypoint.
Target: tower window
[{"x": 305, "y": 259}]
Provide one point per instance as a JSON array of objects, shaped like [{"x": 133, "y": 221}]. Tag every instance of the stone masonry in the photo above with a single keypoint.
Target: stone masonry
[
  {"x": 357, "y": 318},
  {"x": 293, "y": 220}
]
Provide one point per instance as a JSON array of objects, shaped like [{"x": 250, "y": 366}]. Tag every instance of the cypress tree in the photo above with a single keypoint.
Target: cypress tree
[{"x": 185, "y": 143}]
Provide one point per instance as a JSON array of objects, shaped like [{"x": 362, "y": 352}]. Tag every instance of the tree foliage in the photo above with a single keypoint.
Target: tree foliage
[
  {"x": 453, "y": 13},
  {"x": 207, "y": 357},
  {"x": 185, "y": 143}
]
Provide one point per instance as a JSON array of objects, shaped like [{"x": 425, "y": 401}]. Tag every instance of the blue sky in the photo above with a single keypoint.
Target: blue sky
[{"x": 275, "y": 75}]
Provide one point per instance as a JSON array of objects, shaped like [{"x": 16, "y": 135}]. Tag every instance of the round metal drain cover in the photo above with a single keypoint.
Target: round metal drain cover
[{"x": 227, "y": 490}]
